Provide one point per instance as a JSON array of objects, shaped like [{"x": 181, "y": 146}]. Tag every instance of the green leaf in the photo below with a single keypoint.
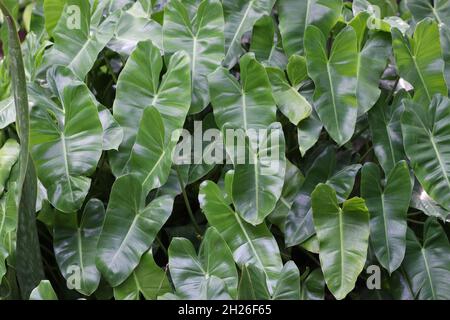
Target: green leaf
[
  {"x": 53, "y": 10},
  {"x": 148, "y": 278},
  {"x": 288, "y": 286},
  {"x": 426, "y": 136},
  {"x": 291, "y": 103},
  {"x": 421, "y": 200},
  {"x": 189, "y": 272},
  {"x": 129, "y": 229},
  {"x": 135, "y": 25},
  {"x": 112, "y": 132},
  {"x": 75, "y": 245},
  {"x": 335, "y": 76},
  {"x": 151, "y": 156},
  {"x": 258, "y": 180},
  {"x": 388, "y": 207},
  {"x": 293, "y": 181},
  {"x": 297, "y": 70},
  {"x": 313, "y": 287},
  {"x": 240, "y": 16},
  {"x": 249, "y": 244},
  {"x": 308, "y": 132},
  {"x": 343, "y": 235},
  {"x": 78, "y": 40},
  {"x": 266, "y": 43},
  {"x": 7, "y": 112},
  {"x": 139, "y": 87},
  {"x": 250, "y": 106},
  {"x": 3, "y": 255},
  {"x": 253, "y": 285},
  {"x": 299, "y": 223},
  {"x": 296, "y": 16},
  {"x": 44, "y": 291},
  {"x": 9, "y": 154},
  {"x": 436, "y": 9},
  {"x": 419, "y": 60},
  {"x": 372, "y": 60},
  {"x": 427, "y": 265},
  {"x": 66, "y": 141},
  {"x": 445, "y": 43},
  {"x": 202, "y": 37},
  {"x": 384, "y": 121}
]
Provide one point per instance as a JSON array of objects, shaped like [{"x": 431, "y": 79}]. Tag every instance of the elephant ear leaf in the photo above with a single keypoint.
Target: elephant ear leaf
[
  {"x": 373, "y": 56},
  {"x": 296, "y": 16},
  {"x": 147, "y": 279},
  {"x": 139, "y": 87},
  {"x": 427, "y": 265},
  {"x": 9, "y": 155},
  {"x": 388, "y": 208},
  {"x": 257, "y": 184},
  {"x": 263, "y": 251},
  {"x": 129, "y": 229},
  {"x": 426, "y": 136},
  {"x": 437, "y": 9},
  {"x": 253, "y": 285},
  {"x": 66, "y": 141},
  {"x": 290, "y": 102},
  {"x": 288, "y": 286},
  {"x": 247, "y": 106},
  {"x": 75, "y": 245},
  {"x": 77, "y": 39},
  {"x": 240, "y": 16},
  {"x": 335, "y": 103},
  {"x": 385, "y": 126},
  {"x": 189, "y": 271},
  {"x": 202, "y": 37},
  {"x": 44, "y": 291},
  {"x": 343, "y": 235},
  {"x": 414, "y": 58}
]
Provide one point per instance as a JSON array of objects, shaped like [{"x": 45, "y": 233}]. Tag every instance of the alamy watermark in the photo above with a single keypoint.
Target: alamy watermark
[{"x": 260, "y": 147}]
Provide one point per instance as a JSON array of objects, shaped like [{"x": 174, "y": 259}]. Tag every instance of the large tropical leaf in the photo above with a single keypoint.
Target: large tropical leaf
[
  {"x": 189, "y": 272},
  {"x": 299, "y": 222},
  {"x": 249, "y": 244},
  {"x": 75, "y": 245},
  {"x": 240, "y": 16},
  {"x": 66, "y": 140},
  {"x": 384, "y": 121},
  {"x": 372, "y": 60},
  {"x": 445, "y": 44},
  {"x": 426, "y": 136},
  {"x": 258, "y": 181},
  {"x": 247, "y": 106},
  {"x": 202, "y": 37},
  {"x": 296, "y": 16},
  {"x": 419, "y": 60},
  {"x": 291, "y": 103},
  {"x": 9, "y": 154},
  {"x": 147, "y": 279},
  {"x": 436, "y": 9},
  {"x": 427, "y": 265},
  {"x": 44, "y": 291},
  {"x": 343, "y": 235},
  {"x": 133, "y": 26},
  {"x": 129, "y": 228},
  {"x": 139, "y": 87},
  {"x": 335, "y": 76},
  {"x": 288, "y": 286},
  {"x": 388, "y": 208},
  {"x": 7, "y": 112},
  {"x": 253, "y": 285},
  {"x": 77, "y": 39}
]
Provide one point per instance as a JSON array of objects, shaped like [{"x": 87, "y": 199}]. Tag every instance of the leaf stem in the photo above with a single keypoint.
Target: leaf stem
[{"x": 188, "y": 206}]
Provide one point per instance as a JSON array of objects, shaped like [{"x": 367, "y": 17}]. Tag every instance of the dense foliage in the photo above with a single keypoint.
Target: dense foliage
[{"x": 93, "y": 97}]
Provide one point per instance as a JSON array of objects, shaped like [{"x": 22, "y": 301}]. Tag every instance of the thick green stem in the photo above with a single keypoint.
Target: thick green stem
[{"x": 28, "y": 256}]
